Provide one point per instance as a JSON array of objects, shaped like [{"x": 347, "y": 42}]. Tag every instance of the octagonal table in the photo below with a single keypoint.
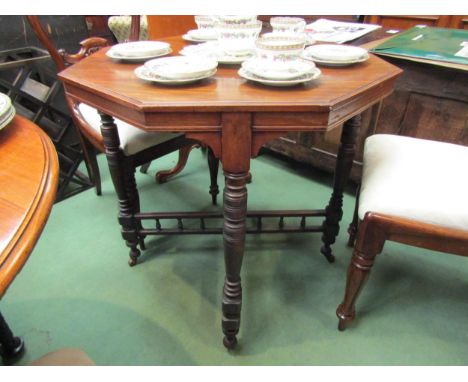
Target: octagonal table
[{"x": 234, "y": 117}]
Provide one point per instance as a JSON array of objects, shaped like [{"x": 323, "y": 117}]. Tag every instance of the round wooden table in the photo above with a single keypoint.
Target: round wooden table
[{"x": 29, "y": 177}]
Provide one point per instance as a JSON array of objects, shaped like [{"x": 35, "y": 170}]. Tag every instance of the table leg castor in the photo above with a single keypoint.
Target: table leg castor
[
  {"x": 229, "y": 342},
  {"x": 327, "y": 252},
  {"x": 12, "y": 353}
]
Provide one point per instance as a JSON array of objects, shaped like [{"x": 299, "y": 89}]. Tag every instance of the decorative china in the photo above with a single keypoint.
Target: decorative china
[
  {"x": 290, "y": 25},
  {"x": 203, "y": 34},
  {"x": 291, "y": 82},
  {"x": 115, "y": 56},
  {"x": 335, "y": 53},
  {"x": 303, "y": 36},
  {"x": 238, "y": 39},
  {"x": 295, "y": 69},
  {"x": 145, "y": 74},
  {"x": 236, "y": 19},
  {"x": 336, "y": 63},
  {"x": 204, "y": 21},
  {"x": 7, "y": 110},
  {"x": 180, "y": 67},
  {"x": 278, "y": 52},
  {"x": 139, "y": 48},
  {"x": 214, "y": 50}
]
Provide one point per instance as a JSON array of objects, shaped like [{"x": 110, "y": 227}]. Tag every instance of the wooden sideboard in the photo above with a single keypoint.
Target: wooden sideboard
[{"x": 429, "y": 102}]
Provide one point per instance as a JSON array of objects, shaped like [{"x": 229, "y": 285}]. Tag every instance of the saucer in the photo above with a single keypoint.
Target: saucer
[
  {"x": 333, "y": 63},
  {"x": 295, "y": 69},
  {"x": 7, "y": 117},
  {"x": 181, "y": 67},
  {"x": 305, "y": 78},
  {"x": 140, "y": 48},
  {"x": 114, "y": 56},
  {"x": 144, "y": 74},
  {"x": 201, "y": 35},
  {"x": 334, "y": 52},
  {"x": 212, "y": 49},
  {"x": 5, "y": 103},
  {"x": 189, "y": 38}
]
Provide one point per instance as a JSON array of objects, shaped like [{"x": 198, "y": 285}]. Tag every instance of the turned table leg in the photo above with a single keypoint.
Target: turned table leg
[
  {"x": 344, "y": 163},
  {"x": 236, "y": 151},
  {"x": 123, "y": 177},
  {"x": 235, "y": 209}
]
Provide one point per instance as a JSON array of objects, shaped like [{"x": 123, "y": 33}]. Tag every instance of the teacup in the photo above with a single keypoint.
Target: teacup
[
  {"x": 277, "y": 52},
  {"x": 289, "y": 25},
  {"x": 238, "y": 39},
  {"x": 236, "y": 19},
  {"x": 204, "y": 21}
]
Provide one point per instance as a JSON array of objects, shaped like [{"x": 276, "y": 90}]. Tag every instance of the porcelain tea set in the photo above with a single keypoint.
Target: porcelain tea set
[{"x": 277, "y": 58}]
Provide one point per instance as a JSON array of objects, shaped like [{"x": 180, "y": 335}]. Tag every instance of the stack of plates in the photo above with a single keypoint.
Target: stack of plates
[
  {"x": 295, "y": 72},
  {"x": 7, "y": 110},
  {"x": 200, "y": 35},
  {"x": 214, "y": 50},
  {"x": 177, "y": 70},
  {"x": 335, "y": 55},
  {"x": 139, "y": 50}
]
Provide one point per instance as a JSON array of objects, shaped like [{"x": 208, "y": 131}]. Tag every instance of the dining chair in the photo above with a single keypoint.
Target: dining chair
[
  {"x": 135, "y": 143},
  {"x": 413, "y": 191},
  {"x": 137, "y": 147}
]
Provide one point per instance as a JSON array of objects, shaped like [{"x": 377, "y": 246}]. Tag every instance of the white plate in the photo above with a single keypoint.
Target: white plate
[
  {"x": 334, "y": 52},
  {"x": 295, "y": 69},
  {"x": 111, "y": 54},
  {"x": 306, "y": 78},
  {"x": 181, "y": 67},
  {"x": 142, "y": 73},
  {"x": 335, "y": 63},
  {"x": 186, "y": 37},
  {"x": 5, "y": 104},
  {"x": 212, "y": 49},
  {"x": 200, "y": 34},
  {"x": 140, "y": 48},
  {"x": 9, "y": 118}
]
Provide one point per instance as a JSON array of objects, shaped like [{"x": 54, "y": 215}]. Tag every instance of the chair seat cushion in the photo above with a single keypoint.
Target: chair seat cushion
[
  {"x": 132, "y": 139},
  {"x": 421, "y": 180}
]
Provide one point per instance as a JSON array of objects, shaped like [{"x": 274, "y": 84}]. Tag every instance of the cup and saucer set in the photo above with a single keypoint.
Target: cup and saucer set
[
  {"x": 7, "y": 110},
  {"x": 278, "y": 62},
  {"x": 205, "y": 31},
  {"x": 289, "y": 26},
  {"x": 235, "y": 40},
  {"x": 139, "y": 51}
]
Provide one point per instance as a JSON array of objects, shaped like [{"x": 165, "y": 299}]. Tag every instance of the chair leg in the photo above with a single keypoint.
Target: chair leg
[
  {"x": 123, "y": 178},
  {"x": 163, "y": 176},
  {"x": 144, "y": 168},
  {"x": 353, "y": 227},
  {"x": 368, "y": 245},
  {"x": 90, "y": 155},
  {"x": 213, "y": 164},
  {"x": 11, "y": 346}
]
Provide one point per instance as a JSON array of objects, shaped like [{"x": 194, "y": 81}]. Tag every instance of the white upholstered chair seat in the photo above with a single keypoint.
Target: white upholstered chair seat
[
  {"x": 421, "y": 180},
  {"x": 132, "y": 139}
]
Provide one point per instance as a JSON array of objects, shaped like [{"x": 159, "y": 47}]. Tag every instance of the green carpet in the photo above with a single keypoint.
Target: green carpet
[{"x": 78, "y": 291}]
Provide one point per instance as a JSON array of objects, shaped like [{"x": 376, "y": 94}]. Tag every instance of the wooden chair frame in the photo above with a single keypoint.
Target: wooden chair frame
[
  {"x": 89, "y": 138},
  {"x": 372, "y": 233},
  {"x": 127, "y": 164}
]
